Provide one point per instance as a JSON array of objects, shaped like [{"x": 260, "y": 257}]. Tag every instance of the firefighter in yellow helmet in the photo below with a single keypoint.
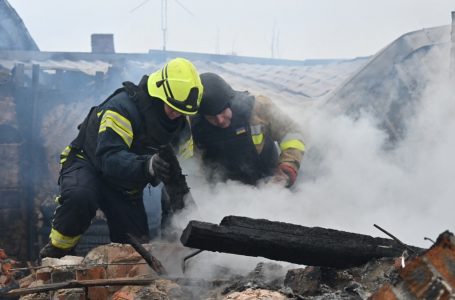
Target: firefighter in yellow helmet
[
  {"x": 237, "y": 133},
  {"x": 115, "y": 155}
]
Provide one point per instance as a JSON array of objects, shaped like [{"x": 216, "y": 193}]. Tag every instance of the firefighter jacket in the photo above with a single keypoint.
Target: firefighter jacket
[
  {"x": 119, "y": 136},
  {"x": 247, "y": 150}
]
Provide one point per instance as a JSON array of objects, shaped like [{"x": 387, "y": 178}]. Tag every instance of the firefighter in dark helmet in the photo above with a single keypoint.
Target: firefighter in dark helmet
[
  {"x": 116, "y": 155},
  {"x": 236, "y": 134}
]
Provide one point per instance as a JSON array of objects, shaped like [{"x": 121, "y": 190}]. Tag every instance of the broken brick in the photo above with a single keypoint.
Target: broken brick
[
  {"x": 92, "y": 273},
  {"x": 121, "y": 295},
  {"x": 443, "y": 258},
  {"x": 384, "y": 293},
  {"x": 417, "y": 276},
  {"x": 44, "y": 274},
  {"x": 428, "y": 276}
]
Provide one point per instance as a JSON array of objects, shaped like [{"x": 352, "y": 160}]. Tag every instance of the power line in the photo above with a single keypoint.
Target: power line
[
  {"x": 163, "y": 16},
  {"x": 139, "y": 6}
]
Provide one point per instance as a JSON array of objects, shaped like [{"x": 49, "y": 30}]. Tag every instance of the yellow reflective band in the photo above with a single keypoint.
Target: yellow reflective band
[
  {"x": 66, "y": 151},
  {"x": 186, "y": 150},
  {"x": 257, "y": 138},
  {"x": 64, "y": 154},
  {"x": 240, "y": 131},
  {"x": 61, "y": 241},
  {"x": 119, "y": 124},
  {"x": 294, "y": 144},
  {"x": 99, "y": 113}
]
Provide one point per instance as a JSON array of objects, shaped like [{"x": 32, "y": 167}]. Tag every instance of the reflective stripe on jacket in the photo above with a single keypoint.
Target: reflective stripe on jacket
[
  {"x": 268, "y": 120},
  {"x": 122, "y": 133},
  {"x": 232, "y": 152},
  {"x": 246, "y": 150}
]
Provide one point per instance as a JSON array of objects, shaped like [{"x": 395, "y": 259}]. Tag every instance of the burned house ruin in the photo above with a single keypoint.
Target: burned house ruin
[{"x": 45, "y": 95}]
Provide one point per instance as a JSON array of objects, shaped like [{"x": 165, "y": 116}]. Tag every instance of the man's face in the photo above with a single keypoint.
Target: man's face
[
  {"x": 171, "y": 113},
  {"x": 223, "y": 119}
]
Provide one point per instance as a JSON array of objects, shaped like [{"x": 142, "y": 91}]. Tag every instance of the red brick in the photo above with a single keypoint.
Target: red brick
[
  {"x": 417, "y": 276},
  {"x": 112, "y": 254},
  {"x": 138, "y": 270},
  {"x": 6, "y": 268},
  {"x": 43, "y": 274},
  {"x": 121, "y": 295},
  {"x": 445, "y": 296},
  {"x": 443, "y": 259},
  {"x": 92, "y": 273}
]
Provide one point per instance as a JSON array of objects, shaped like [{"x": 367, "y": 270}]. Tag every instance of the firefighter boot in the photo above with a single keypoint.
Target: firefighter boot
[{"x": 51, "y": 251}]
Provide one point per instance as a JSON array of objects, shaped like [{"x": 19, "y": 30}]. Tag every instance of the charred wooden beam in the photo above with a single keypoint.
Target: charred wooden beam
[{"x": 288, "y": 242}]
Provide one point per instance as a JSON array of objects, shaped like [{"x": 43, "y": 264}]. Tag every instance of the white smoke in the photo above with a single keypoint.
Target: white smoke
[{"x": 348, "y": 181}]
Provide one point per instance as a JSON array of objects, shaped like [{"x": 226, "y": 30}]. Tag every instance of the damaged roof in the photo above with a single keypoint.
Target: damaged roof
[
  {"x": 293, "y": 80},
  {"x": 13, "y": 33},
  {"x": 393, "y": 81}
]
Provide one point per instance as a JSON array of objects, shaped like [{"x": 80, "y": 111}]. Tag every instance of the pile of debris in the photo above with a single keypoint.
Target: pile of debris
[
  {"x": 117, "y": 271},
  {"x": 120, "y": 272},
  {"x": 428, "y": 276}
]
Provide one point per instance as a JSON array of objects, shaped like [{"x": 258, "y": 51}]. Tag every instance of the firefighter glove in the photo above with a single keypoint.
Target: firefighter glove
[
  {"x": 285, "y": 173},
  {"x": 159, "y": 168}
]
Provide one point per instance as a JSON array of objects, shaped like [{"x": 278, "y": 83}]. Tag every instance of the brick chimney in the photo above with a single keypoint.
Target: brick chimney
[{"x": 103, "y": 43}]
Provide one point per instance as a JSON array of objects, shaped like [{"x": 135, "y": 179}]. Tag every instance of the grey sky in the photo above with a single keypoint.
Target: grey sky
[{"x": 304, "y": 29}]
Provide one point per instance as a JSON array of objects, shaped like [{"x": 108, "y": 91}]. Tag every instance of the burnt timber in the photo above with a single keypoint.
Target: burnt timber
[{"x": 313, "y": 246}]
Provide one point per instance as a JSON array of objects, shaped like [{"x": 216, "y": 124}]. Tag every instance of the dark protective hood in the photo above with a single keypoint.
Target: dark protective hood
[{"x": 217, "y": 94}]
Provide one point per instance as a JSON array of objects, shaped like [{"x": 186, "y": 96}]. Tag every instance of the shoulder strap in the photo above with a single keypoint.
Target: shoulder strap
[
  {"x": 78, "y": 142},
  {"x": 133, "y": 90}
]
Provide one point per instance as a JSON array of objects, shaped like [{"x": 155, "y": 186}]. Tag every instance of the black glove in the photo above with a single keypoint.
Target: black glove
[{"x": 159, "y": 168}]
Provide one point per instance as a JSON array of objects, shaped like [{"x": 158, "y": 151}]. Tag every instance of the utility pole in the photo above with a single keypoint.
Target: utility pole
[
  {"x": 272, "y": 46},
  {"x": 275, "y": 41},
  {"x": 452, "y": 48},
  {"x": 217, "y": 45},
  {"x": 164, "y": 21},
  {"x": 163, "y": 16}
]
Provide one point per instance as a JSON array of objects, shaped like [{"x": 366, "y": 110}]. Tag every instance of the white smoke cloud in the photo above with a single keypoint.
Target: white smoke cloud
[{"x": 349, "y": 181}]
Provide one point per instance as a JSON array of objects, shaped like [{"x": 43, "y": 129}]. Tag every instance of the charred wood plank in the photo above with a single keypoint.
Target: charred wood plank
[{"x": 288, "y": 242}]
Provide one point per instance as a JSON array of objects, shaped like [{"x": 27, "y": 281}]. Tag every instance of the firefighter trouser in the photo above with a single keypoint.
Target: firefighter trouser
[{"x": 82, "y": 192}]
